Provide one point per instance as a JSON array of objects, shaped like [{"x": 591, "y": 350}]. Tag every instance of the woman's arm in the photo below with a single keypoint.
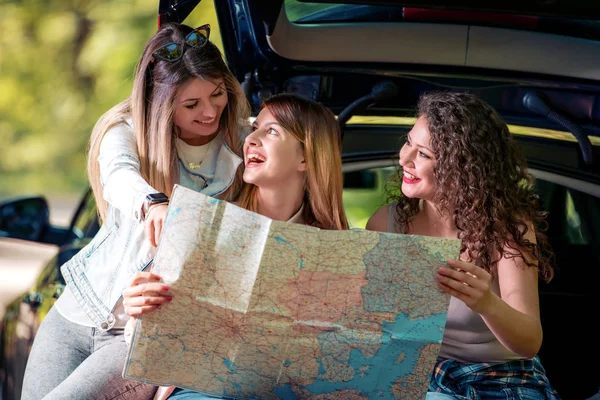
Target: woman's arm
[
  {"x": 519, "y": 328},
  {"x": 122, "y": 183},
  {"x": 514, "y": 317},
  {"x": 145, "y": 293},
  {"x": 120, "y": 176}
]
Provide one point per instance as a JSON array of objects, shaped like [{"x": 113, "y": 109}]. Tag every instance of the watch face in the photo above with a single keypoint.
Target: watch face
[
  {"x": 157, "y": 197},
  {"x": 151, "y": 199}
]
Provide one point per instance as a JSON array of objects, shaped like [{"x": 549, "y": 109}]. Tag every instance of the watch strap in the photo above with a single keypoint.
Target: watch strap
[{"x": 153, "y": 199}]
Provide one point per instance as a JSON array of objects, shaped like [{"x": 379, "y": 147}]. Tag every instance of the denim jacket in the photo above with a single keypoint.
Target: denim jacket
[{"x": 98, "y": 273}]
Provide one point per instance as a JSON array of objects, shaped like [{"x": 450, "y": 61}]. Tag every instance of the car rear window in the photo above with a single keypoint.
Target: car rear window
[{"x": 316, "y": 12}]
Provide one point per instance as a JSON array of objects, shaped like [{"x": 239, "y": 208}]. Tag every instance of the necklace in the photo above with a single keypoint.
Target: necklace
[{"x": 193, "y": 165}]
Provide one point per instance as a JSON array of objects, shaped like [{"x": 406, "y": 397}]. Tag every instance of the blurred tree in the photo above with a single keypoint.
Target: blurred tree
[{"x": 63, "y": 63}]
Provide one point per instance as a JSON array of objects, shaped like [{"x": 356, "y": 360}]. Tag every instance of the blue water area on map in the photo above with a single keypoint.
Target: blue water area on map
[
  {"x": 396, "y": 358},
  {"x": 172, "y": 213},
  {"x": 285, "y": 392},
  {"x": 230, "y": 365}
]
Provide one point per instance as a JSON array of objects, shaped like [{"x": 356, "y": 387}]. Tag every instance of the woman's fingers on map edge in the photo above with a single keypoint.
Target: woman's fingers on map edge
[
  {"x": 148, "y": 300},
  {"x": 136, "y": 311},
  {"x": 142, "y": 276},
  {"x": 147, "y": 289},
  {"x": 141, "y": 304}
]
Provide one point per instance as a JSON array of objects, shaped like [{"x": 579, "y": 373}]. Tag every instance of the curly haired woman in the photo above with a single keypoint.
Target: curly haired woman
[{"x": 463, "y": 176}]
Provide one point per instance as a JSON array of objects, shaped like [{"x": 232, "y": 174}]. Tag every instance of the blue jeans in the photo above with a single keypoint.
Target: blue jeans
[
  {"x": 439, "y": 396},
  {"x": 186, "y": 394},
  {"x": 71, "y": 361}
]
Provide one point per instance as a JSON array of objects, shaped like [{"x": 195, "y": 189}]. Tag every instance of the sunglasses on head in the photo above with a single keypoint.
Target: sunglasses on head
[{"x": 174, "y": 51}]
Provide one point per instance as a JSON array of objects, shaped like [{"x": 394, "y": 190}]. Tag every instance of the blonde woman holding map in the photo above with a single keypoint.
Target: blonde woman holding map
[
  {"x": 293, "y": 172},
  {"x": 463, "y": 176}
]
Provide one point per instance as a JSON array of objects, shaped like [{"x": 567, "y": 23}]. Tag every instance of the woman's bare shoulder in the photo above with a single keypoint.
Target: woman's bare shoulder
[{"x": 379, "y": 220}]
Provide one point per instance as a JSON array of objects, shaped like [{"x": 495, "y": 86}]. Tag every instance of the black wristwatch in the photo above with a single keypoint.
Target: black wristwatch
[{"x": 152, "y": 199}]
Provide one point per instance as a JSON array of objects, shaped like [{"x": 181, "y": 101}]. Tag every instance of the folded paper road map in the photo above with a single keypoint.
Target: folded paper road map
[{"x": 264, "y": 309}]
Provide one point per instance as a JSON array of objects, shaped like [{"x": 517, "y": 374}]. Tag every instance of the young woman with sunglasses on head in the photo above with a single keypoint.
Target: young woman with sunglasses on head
[
  {"x": 293, "y": 173},
  {"x": 183, "y": 123},
  {"x": 463, "y": 176}
]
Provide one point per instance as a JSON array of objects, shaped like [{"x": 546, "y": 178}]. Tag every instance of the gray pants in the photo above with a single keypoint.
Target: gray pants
[{"x": 71, "y": 361}]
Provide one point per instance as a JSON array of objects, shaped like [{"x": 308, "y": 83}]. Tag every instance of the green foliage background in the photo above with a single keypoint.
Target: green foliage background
[{"x": 63, "y": 63}]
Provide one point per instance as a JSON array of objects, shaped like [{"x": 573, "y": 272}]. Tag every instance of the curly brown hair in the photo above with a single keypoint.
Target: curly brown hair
[{"x": 481, "y": 182}]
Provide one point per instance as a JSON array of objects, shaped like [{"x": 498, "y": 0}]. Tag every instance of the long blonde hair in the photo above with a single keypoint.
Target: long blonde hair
[
  {"x": 317, "y": 130},
  {"x": 151, "y": 109}
]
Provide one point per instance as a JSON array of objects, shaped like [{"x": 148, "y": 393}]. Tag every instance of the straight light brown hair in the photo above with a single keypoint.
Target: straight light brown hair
[{"x": 316, "y": 128}]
